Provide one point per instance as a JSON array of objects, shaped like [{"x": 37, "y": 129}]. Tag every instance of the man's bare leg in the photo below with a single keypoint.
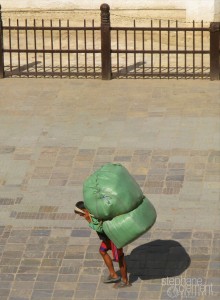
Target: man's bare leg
[
  {"x": 123, "y": 268},
  {"x": 108, "y": 261}
]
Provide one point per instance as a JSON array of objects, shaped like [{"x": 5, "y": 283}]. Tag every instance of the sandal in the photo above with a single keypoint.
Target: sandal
[
  {"x": 110, "y": 279},
  {"x": 122, "y": 284}
]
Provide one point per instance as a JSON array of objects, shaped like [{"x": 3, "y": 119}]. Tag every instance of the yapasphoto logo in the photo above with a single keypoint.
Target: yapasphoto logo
[{"x": 187, "y": 287}]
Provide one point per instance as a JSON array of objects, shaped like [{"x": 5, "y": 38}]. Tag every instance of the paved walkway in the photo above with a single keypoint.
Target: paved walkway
[{"x": 54, "y": 133}]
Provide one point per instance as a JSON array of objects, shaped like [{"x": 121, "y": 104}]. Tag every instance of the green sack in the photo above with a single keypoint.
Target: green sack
[
  {"x": 111, "y": 191},
  {"x": 126, "y": 228}
]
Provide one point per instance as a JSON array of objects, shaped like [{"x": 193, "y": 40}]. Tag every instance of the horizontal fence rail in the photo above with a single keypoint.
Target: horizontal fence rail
[{"x": 162, "y": 49}]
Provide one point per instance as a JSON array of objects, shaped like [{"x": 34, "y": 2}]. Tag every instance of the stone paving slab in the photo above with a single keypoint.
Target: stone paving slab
[{"x": 55, "y": 133}]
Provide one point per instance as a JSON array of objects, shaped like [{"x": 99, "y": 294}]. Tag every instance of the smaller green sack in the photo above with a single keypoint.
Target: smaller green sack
[{"x": 126, "y": 228}]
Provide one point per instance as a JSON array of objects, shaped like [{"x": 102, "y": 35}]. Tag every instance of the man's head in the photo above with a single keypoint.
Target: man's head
[{"x": 80, "y": 208}]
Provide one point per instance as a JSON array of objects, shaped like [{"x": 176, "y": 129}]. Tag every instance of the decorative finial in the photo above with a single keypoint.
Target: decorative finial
[{"x": 105, "y": 14}]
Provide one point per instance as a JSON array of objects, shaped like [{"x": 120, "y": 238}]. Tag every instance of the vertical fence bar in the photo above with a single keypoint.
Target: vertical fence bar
[
  {"x": 105, "y": 41},
  {"x": 160, "y": 47},
  {"x": 35, "y": 47},
  {"x": 77, "y": 55},
  {"x": 1, "y": 47},
  {"x": 93, "y": 47},
  {"x": 117, "y": 37},
  {"x": 26, "y": 40},
  {"x": 43, "y": 42},
  {"x": 126, "y": 54},
  {"x": 10, "y": 54},
  {"x": 214, "y": 50},
  {"x": 85, "y": 45},
  {"x": 152, "y": 48},
  {"x": 51, "y": 38},
  {"x": 202, "y": 59},
  {"x": 177, "y": 63},
  {"x": 168, "y": 46},
  {"x": 193, "y": 49},
  {"x": 143, "y": 33},
  {"x": 60, "y": 48},
  {"x": 68, "y": 45},
  {"x": 18, "y": 45},
  {"x": 135, "y": 66},
  {"x": 185, "y": 60}
]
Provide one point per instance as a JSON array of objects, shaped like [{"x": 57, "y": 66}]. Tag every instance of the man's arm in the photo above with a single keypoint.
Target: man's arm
[
  {"x": 95, "y": 224},
  {"x": 87, "y": 217}
]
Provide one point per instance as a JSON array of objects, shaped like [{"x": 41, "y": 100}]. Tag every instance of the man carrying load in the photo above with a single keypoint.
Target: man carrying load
[
  {"x": 106, "y": 244},
  {"x": 114, "y": 206}
]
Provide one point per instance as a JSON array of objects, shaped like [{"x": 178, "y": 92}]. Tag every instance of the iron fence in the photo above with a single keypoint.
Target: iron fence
[
  {"x": 160, "y": 50},
  {"x": 50, "y": 50}
]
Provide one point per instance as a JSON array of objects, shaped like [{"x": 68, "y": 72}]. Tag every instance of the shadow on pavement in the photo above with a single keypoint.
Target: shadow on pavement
[
  {"x": 27, "y": 69},
  {"x": 157, "y": 259}
]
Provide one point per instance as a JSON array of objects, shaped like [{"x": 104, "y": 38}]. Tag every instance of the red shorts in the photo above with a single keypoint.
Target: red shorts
[{"x": 109, "y": 245}]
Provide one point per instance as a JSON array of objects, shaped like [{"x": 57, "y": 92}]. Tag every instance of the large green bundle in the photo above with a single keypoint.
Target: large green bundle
[
  {"x": 111, "y": 191},
  {"x": 126, "y": 228}
]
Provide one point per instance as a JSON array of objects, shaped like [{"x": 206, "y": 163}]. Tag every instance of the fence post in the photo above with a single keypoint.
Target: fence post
[
  {"x": 1, "y": 46},
  {"x": 105, "y": 41},
  {"x": 214, "y": 50}
]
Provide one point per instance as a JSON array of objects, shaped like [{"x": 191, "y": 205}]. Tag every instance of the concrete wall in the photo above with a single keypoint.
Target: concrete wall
[
  {"x": 208, "y": 10},
  {"x": 217, "y": 11},
  {"x": 93, "y": 4}
]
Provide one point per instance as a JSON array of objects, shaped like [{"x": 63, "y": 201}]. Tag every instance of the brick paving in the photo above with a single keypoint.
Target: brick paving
[{"x": 54, "y": 133}]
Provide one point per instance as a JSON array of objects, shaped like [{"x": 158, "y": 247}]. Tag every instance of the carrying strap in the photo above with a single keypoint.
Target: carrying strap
[{"x": 76, "y": 209}]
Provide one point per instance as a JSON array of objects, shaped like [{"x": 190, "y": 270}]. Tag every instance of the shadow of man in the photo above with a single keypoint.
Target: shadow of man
[{"x": 157, "y": 259}]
